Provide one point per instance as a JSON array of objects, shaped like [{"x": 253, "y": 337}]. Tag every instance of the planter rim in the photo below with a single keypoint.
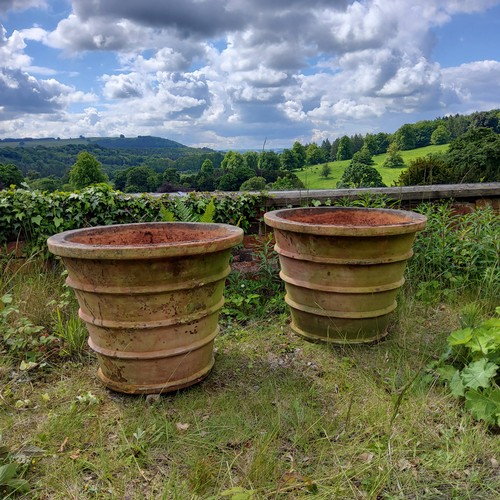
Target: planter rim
[
  {"x": 224, "y": 237},
  {"x": 405, "y": 221}
]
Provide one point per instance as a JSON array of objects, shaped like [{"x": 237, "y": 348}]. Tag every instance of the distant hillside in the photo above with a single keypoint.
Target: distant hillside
[
  {"x": 139, "y": 142},
  {"x": 312, "y": 179},
  {"x": 50, "y": 156}
]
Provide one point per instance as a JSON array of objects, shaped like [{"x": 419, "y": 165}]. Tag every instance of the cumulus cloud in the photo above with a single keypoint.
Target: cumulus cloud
[
  {"x": 6, "y": 5},
  {"x": 295, "y": 66}
]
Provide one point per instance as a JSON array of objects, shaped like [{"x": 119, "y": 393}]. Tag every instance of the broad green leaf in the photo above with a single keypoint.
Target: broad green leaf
[
  {"x": 446, "y": 372},
  {"x": 36, "y": 220},
  {"x": 58, "y": 221},
  {"x": 484, "y": 341},
  {"x": 460, "y": 337},
  {"x": 456, "y": 384},
  {"x": 479, "y": 374},
  {"x": 484, "y": 405},
  {"x": 18, "y": 485},
  {"x": 7, "y": 472}
]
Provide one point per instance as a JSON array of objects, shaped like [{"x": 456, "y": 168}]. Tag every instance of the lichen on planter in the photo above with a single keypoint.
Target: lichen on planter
[
  {"x": 342, "y": 268},
  {"x": 150, "y": 295}
]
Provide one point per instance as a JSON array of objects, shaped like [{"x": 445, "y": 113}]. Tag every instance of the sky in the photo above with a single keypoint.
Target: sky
[{"x": 235, "y": 74}]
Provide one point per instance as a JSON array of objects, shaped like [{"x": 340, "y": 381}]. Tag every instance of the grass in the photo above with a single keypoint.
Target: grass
[
  {"x": 311, "y": 176},
  {"x": 278, "y": 417}
]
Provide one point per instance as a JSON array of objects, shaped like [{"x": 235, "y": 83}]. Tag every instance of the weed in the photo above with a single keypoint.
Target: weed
[{"x": 470, "y": 366}]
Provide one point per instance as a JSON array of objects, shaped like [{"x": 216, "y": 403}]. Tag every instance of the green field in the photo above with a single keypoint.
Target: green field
[{"x": 312, "y": 179}]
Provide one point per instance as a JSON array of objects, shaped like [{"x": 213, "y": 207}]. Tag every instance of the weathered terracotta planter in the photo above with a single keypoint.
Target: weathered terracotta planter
[
  {"x": 342, "y": 268},
  {"x": 150, "y": 295}
]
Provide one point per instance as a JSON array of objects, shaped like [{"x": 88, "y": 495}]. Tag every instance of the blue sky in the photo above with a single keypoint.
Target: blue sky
[{"x": 233, "y": 73}]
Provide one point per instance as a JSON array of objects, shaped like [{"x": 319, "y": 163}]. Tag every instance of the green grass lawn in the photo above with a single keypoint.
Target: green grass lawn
[{"x": 311, "y": 176}]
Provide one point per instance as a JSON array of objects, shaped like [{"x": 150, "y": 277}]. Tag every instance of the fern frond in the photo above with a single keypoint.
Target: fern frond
[
  {"x": 166, "y": 214},
  {"x": 209, "y": 214}
]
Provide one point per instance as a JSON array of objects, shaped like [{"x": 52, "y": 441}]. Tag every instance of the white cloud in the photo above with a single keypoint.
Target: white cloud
[{"x": 224, "y": 68}]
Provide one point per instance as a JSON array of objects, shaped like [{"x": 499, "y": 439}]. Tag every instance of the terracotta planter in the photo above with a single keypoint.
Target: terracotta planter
[
  {"x": 342, "y": 268},
  {"x": 150, "y": 295}
]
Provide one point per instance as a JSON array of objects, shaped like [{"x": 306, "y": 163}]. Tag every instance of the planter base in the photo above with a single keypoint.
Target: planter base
[
  {"x": 160, "y": 388},
  {"x": 338, "y": 331}
]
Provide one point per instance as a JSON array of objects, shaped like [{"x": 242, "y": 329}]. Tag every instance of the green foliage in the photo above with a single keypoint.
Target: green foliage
[
  {"x": 358, "y": 175},
  {"x": 427, "y": 170},
  {"x": 326, "y": 170},
  {"x": 441, "y": 135},
  {"x": 405, "y": 137},
  {"x": 393, "y": 158},
  {"x": 470, "y": 367},
  {"x": 286, "y": 182},
  {"x": 10, "y": 175},
  {"x": 254, "y": 184},
  {"x": 10, "y": 481},
  {"x": 474, "y": 157},
  {"x": 33, "y": 216},
  {"x": 183, "y": 212},
  {"x": 456, "y": 252},
  {"x": 256, "y": 296},
  {"x": 344, "y": 150},
  {"x": 86, "y": 171}
]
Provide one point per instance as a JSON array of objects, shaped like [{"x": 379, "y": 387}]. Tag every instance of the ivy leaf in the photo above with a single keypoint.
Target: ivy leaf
[
  {"x": 36, "y": 220},
  {"x": 456, "y": 385},
  {"x": 58, "y": 221},
  {"x": 484, "y": 405},
  {"x": 479, "y": 374},
  {"x": 460, "y": 337}
]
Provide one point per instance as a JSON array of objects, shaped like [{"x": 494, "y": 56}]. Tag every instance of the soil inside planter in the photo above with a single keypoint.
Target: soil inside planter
[
  {"x": 349, "y": 218},
  {"x": 149, "y": 236}
]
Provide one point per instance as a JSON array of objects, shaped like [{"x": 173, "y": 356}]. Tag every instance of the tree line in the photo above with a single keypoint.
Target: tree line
[{"x": 472, "y": 157}]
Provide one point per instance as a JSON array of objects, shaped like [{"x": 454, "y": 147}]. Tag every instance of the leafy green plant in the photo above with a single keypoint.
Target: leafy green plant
[
  {"x": 183, "y": 212},
  {"x": 470, "y": 367},
  {"x": 20, "y": 336},
  {"x": 456, "y": 253},
  {"x": 33, "y": 216},
  {"x": 258, "y": 294},
  {"x": 11, "y": 472}
]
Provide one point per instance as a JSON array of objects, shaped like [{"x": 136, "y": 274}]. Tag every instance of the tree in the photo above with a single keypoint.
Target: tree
[
  {"x": 172, "y": 175},
  {"x": 228, "y": 182},
  {"x": 359, "y": 175},
  {"x": 288, "y": 160},
  {"x": 363, "y": 156},
  {"x": 287, "y": 182},
  {"x": 344, "y": 151},
  {"x": 405, "y": 137},
  {"x": 474, "y": 157},
  {"x": 269, "y": 161},
  {"x": 300, "y": 154},
  {"x": 205, "y": 180},
  {"x": 326, "y": 170},
  {"x": 232, "y": 161},
  {"x": 86, "y": 171},
  {"x": 10, "y": 175},
  {"x": 423, "y": 132},
  {"x": 426, "y": 170},
  {"x": 393, "y": 158},
  {"x": 315, "y": 155},
  {"x": 254, "y": 184},
  {"x": 440, "y": 135},
  {"x": 326, "y": 147},
  {"x": 251, "y": 159},
  {"x": 141, "y": 179}
]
